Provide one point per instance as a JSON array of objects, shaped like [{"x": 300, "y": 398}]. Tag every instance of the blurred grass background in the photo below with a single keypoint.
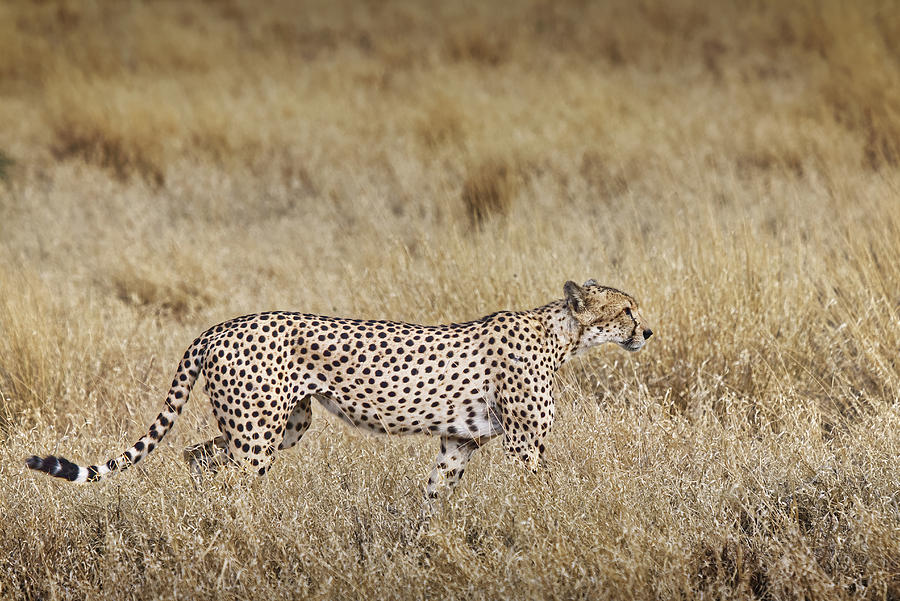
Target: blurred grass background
[{"x": 736, "y": 166}]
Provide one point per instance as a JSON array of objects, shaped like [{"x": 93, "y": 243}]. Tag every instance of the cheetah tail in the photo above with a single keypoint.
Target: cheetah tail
[{"x": 185, "y": 376}]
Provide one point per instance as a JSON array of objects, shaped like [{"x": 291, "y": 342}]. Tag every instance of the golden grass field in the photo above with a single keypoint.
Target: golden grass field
[{"x": 735, "y": 166}]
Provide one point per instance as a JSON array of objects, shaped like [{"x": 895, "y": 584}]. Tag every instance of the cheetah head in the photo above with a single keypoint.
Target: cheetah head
[{"x": 606, "y": 315}]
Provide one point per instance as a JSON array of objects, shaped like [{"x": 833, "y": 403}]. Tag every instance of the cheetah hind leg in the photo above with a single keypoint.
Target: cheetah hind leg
[
  {"x": 207, "y": 456},
  {"x": 297, "y": 423}
]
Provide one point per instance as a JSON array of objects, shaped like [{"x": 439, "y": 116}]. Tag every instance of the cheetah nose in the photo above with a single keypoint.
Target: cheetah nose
[{"x": 648, "y": 333}]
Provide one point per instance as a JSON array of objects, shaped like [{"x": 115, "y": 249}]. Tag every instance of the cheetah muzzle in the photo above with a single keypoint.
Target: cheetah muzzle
[{"x": 465, "y": 382}]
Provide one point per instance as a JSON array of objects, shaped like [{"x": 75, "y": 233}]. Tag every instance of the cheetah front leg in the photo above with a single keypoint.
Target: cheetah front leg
[
  {"x": 527, "y": 419},
  {"x": 449, "y": 465}
]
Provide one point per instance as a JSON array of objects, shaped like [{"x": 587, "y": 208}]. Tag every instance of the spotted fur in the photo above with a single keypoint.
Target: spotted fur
[{"x": 466, "y": 383}]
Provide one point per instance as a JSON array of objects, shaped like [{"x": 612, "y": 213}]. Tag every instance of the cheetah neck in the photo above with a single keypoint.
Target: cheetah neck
[{"x": 563, "y": 329}]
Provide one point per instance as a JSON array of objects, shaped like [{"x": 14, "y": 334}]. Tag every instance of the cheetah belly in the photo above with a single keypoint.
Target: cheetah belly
[
  {"x": 473, "y": 419},
  {"x": 365, "y": 420},
  {"x": 478, "y": 420}
]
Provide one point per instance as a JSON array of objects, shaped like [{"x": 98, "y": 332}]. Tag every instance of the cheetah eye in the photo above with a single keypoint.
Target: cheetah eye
[{"x": 628, "y": 311}]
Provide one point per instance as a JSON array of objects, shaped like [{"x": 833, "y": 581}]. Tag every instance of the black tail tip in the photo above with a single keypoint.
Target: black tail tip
[
  {"x": 55, "y": 466},
  {"x": 36, "y": 463}
]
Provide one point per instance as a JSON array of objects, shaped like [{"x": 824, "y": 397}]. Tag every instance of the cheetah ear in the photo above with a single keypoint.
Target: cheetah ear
[
  {"x": 574, "y": 296},
  {"x": 590, "y": 282}
]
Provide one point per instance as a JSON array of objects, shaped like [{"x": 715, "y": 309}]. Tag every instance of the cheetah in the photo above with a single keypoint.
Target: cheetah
[{"x": 465, "y": 382}]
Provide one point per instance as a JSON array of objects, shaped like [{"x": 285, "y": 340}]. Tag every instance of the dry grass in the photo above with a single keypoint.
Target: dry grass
[
  {"x": 489, "y": 190},
  {"x": 165, "y": 166}
]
